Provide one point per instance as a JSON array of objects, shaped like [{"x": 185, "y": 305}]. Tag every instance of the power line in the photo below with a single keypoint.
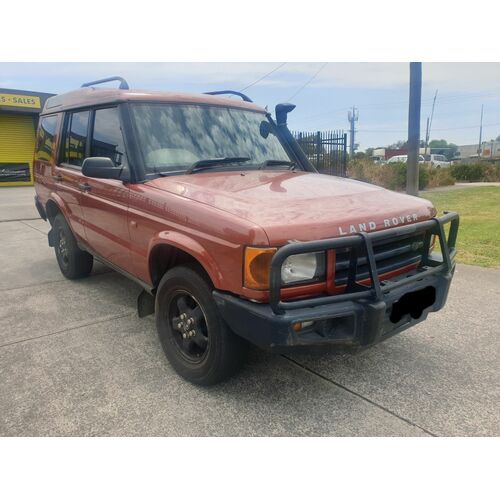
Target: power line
[
  {"x": 308, "y": 82},
  {"x": 436, "y": 129},
  {"x": 262, "y": 77},
  {"x": 445, "y": 99}
]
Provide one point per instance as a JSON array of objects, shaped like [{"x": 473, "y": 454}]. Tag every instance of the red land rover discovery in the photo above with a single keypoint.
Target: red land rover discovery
[{"x": 211, "y": 205}]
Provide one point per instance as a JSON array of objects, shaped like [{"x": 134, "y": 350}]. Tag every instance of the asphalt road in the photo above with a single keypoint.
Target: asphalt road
[{"x": 76, "y": 360}]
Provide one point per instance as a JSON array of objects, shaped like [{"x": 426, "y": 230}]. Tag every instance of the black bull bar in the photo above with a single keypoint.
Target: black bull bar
[{"x": 362, "y": 244}]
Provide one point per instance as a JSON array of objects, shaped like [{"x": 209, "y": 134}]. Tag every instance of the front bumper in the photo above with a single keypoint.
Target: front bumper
[
  {"x": 362, "y": 316},
  {"x": 346, "y": 326}
]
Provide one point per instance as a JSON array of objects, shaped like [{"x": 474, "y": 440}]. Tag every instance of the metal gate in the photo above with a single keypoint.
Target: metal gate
[{"x": 326, "y": 150}]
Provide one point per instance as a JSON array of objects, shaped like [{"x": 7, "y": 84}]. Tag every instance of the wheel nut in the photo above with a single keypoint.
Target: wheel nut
[
  {"x": 192, "y": 333},
  {"x": 184, "y": 336},
  {"x": 179, "y": 325},
  {"x": 183, "y": 316}
]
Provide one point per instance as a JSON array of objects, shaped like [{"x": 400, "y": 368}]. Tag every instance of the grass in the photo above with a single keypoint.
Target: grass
[{"x": 479, "y": 231}]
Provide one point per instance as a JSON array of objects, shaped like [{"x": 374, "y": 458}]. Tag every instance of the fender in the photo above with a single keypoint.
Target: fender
[
  {"x": 54, "y": 197},
  {"x": 190, "y": 246}
]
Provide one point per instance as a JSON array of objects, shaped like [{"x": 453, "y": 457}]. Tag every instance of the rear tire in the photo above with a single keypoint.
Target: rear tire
[
  {"x": 73, "y": 262},
  {"x": 196, "y": 340}
]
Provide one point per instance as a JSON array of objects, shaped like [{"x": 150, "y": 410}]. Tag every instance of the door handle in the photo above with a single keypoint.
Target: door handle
[
  {"x": 58, "y": 178},
  {"x": 83, "y": 186}
]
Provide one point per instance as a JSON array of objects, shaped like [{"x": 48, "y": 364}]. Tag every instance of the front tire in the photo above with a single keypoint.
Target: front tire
[
  {"x": 73, "y": 262},
  {"x": 196, "y": 340}
]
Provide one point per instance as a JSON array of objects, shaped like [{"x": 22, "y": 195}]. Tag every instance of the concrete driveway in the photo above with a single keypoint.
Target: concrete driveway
[{"x": 76, "y": 360}]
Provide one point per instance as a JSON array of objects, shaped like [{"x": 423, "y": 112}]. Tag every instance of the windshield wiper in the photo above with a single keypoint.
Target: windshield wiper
[
  {"x": 272, "y": 163},
  {"x": 214, "y": 162}
]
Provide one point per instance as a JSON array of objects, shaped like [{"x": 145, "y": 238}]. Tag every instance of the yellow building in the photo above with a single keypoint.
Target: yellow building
[{"x": 19, "y": 110}]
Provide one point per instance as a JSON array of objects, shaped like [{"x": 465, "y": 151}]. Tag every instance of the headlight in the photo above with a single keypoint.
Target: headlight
[{"x": 303, "y": 267}]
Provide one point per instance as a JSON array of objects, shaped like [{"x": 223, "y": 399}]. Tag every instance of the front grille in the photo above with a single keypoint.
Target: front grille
[{"x": 390, "y": 255}]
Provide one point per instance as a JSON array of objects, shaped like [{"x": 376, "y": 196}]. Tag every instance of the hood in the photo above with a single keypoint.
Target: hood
[{"x": 299, "y": 205}]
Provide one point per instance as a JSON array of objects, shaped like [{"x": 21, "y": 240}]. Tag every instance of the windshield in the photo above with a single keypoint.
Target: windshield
[{"x": 172, "y": 137}]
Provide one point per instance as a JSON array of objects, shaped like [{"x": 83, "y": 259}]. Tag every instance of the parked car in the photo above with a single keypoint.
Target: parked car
[
  {"x": 404, "y": 159},
  {"x": 212, "y": 207},
  {"x": 437, "y": 161}
]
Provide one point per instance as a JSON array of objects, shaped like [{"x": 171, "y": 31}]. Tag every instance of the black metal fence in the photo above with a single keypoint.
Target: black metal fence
[{"x": 327, "y": 150}]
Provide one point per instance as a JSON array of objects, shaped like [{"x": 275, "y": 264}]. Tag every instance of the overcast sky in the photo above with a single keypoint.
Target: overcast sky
[{"x": 378, "y": 90}]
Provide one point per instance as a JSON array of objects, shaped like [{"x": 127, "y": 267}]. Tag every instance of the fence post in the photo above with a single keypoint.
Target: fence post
[
  {"x": 327, "y": 150},
  {"x": 318, "y": 148},
  {"x": 344, "y": 157}
]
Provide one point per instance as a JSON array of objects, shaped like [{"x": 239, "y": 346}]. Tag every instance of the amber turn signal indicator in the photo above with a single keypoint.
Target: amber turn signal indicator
[{"x": 258, "y": 267}]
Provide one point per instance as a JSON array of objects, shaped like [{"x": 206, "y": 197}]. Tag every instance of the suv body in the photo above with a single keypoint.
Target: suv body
[
  {"x": 211, "y": 205},
  {"x": 404, "y": 159},
  {"x": 437, "y": 161}
]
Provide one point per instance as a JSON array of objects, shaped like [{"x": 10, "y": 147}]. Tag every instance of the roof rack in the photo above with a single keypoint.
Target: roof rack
[
  {"x": 232, "y": 92},
  {"x": 123, "y": 82}
]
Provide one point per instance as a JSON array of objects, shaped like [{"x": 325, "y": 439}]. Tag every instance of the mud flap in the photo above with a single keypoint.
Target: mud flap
[
  {"x": 145, "y": 304},
  {"x": 51, "y": 237}
]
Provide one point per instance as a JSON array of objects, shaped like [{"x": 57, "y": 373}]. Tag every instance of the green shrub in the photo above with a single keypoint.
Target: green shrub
[
  {"x": 391, "y": 176},
  {"x": 440, "y": 177},
  {"x": 467, "y": 172},
  {"x": 423, "y": 176},
  {"x": 492, "y": 173},
  {"x": 476, "y": 172}
]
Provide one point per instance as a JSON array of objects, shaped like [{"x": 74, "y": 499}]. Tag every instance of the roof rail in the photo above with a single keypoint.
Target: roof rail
[
  {"x": 123, "y": 82},
  {"x": 232, "y": 92}
]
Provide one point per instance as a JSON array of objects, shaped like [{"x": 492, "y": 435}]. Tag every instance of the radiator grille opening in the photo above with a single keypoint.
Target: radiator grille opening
[{"x": 390, "y": 255}]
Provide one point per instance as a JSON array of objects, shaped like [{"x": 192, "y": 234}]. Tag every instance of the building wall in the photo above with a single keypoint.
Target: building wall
[
  {"x": 17, "y": 145},
  {"x": 19, "y": 110}
]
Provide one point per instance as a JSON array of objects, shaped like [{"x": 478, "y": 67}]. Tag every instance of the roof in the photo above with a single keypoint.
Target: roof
[{"x": 90, "y": 96}]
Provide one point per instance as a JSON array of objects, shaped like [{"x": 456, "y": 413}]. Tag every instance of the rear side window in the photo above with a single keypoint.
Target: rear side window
[
  {"x": 107, "y": 138},
  {"x": 45, "y": 137},
  {"x": 75, "y": 138}
]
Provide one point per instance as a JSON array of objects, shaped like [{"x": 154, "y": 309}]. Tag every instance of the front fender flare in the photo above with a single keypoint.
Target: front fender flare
[{"x": 190, "y": 246}]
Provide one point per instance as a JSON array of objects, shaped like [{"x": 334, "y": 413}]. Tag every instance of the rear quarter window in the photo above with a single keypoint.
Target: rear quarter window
[{"x": 46, "y": 137}]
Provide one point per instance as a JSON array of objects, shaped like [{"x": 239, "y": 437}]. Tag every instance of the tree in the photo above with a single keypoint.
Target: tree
[
  {"x": 399, "y": 145},
  {"x": 498, "y": 138},
  {"x": 444, "y": 147}
]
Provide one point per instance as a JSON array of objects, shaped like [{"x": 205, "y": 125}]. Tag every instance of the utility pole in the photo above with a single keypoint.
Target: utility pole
[
  {"x": 414, "y": 128},
  {"x": 427, "y": 133},
  {"x": 352, "y": 116},
  {"x": 480, "y": 133},
  {"x": 429, "y": 124}
]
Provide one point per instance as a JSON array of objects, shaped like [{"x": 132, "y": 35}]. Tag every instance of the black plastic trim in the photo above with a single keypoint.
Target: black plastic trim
[
  {"x": 40, "y": 209},
  {"x": 355, "y": 324},
  {"x": 123, "y": 83},
  {"x": 230, "y": 92}
]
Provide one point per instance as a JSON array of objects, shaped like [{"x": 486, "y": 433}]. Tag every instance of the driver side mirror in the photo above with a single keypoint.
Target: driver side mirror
[{"x": 101, "y": 167}]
